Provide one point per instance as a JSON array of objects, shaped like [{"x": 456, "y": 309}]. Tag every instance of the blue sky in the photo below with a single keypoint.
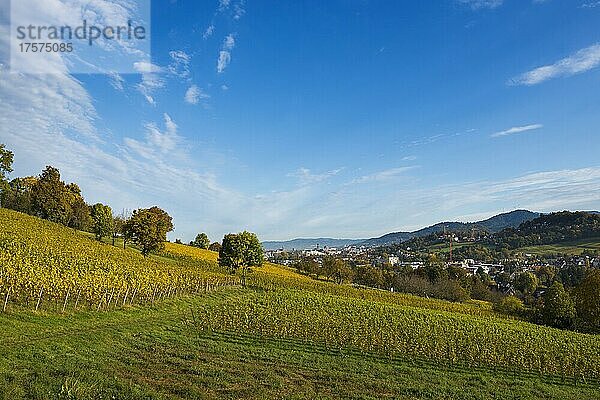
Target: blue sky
[{"x": 341, "y": 118}]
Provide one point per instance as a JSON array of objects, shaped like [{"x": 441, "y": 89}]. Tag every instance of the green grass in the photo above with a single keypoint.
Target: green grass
[
  {"x": 157, "y": 353},
  {"x": 576, "y": 247}
]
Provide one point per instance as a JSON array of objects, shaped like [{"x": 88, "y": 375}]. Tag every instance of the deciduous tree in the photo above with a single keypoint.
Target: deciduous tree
[
  {"x": 558, "y": 309},
  {"x": 6, "y": 161},
  {"x": 148, "y": 229},
  {"x": 526, "y": 283},
  {"x": 240, "y": 251},
  {"x": 51, "y": 199},
  {"x": 201, "y": 241},
  {"x": 587, "y": 301},
  {"x": 103, "y": 220}
]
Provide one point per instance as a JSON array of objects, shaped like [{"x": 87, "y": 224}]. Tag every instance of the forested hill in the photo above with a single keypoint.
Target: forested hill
[
  {"x": 494, "y": 224},
  {"x": 551, "y": 228}
]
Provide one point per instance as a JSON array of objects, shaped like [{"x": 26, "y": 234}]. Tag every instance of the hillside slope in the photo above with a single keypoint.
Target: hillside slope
[
  {"x": 43, "y": 264},
  {"x": 283, "y": 336}
]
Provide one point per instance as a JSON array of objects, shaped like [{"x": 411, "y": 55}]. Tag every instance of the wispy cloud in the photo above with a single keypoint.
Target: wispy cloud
[
  {"x": 194, "y": 95},
  {"x": 306, "y": 177},
  {"x": 208, "y": 32},
  {"x": 479, "y": 4},
  {"x": 116, "y": 81},
  {"x": 225, "y": 53},
  {"x": 591, "y": 4},
  {"x": 384, "y": 175},
  {"x": 151, "y": 80},
  {"x": 582, "y": 61},
  {"x": 157, "y": 141},
  {"x": 238, "y": 10},
  {"x": 517, "y": 129},
  {"x": 180, "y": 63},
  {"x": 224, "y": 4}
]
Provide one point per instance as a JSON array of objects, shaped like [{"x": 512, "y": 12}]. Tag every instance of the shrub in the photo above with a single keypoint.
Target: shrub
[{"x": 510, "y": 305}]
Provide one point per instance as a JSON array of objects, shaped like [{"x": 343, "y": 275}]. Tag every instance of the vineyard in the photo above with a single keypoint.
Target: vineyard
[
  {"x": 282, "y": 317},
  {"x": 391, "y": 330},
  {"x": 47, "y": 266},
  {"x": 271, "y": 277}
]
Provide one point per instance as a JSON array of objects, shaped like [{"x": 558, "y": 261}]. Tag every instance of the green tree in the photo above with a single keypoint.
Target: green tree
[
  {"x": 434, "y": 268},
  {"x": 240, "y": 251},
  {"x": 17, "y": 195},
  {"x": 546, "y": 275},
  {"x": 201, "y": 241},
  {"x": 510, "y": 305},
  {"x": 51, "y": 199},
  {"x": 6, "y": 161},
  {"x": 308, "y": 266},
  {"x": 148, "y": 228},
  {"x": 526, "y": 283},
  {"x": 587, "y": 302},
  {"x": 328, "y": 266},
  {"x": 337, "y": 270},
  {"x": 558, "y": 309},
  {"x": 79, "y": 217},
  {"x": 103, "y": 220},
  {"x": 369, "y": 276}
]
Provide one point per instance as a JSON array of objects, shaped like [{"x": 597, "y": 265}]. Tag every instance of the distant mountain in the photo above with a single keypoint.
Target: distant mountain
[
  {"x": 508, "y": 220},
  {"x": 305, "y": 244},
  {"x": 494, "y": 224}
]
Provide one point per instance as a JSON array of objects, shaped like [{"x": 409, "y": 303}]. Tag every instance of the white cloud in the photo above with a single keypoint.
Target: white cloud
[
  {"x": 517, "y": 129},
  {"x": 116, "y": 81},
  {"x": 306, "y": 177},
  {"x": 151, "y": 80},
  {"x": 229, "y": 42},
  {"x": 582, "y": 61},
  {"x": 238, "y": 10},
  {"x": 145, "y": 67},
  {"x": 591, "y": 4},
  {"x": 194, "y": 95},
  {"x": 208, "y": 32},
  {"x": 479, "y": 4},
  {"x": 225, "y": 53},
  {"x": 385, "y": 175},
  {"x": 224, "y": 4},
  {"x": 223, "y": 60},
  {"x": 158, "y": 142},
  {"x": 180, "y": 64}
]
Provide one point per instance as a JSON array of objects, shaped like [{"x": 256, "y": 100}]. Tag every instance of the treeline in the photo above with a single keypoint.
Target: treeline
[
  {"x": 549, "y": 229},
  {"x": 576, "y": 308},
  {"x": 433, "y": 280},
  {"x": 46, "y": 196}
]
